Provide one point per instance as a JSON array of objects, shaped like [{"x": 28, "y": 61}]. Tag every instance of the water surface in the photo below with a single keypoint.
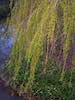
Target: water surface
[{"x": 6, "y": 43}]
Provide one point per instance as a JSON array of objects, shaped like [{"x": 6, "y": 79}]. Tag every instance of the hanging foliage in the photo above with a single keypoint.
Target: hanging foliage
[{"x": 45, "y": 28}]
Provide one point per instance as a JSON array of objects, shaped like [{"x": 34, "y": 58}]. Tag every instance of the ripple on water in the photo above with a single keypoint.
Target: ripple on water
[{"x": 5, "y": 48}]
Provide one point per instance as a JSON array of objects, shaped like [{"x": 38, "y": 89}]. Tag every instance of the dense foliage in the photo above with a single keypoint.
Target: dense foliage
[
  {"x": 4, "y": 9},
  {"x": 42, "y": 60}
]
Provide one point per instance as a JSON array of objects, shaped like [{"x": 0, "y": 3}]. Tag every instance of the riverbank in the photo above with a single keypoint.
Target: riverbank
[{"x": 6, "y": 93}]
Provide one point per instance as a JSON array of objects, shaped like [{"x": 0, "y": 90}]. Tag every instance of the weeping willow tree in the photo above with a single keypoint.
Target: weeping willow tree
[{"x": 45, "y": 40}]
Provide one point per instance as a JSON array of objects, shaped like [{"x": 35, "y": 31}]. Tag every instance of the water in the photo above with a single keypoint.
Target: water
[
  {"x": 2, "y": 29},
  {"x": 5, "y": 93},
  {"x": 6, "y": 44},
  {"x": 5, "y": 48}
]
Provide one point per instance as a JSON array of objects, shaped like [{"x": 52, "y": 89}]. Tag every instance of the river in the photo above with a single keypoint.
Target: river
[{"x": 6, "y": 43}]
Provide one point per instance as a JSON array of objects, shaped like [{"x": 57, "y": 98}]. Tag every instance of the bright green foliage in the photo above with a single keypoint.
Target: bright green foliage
[{"x": 33, "y": 21}]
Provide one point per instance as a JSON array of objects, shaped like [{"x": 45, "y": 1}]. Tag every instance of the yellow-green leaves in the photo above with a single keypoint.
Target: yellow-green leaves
[{"x": 33, "y": 20}]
